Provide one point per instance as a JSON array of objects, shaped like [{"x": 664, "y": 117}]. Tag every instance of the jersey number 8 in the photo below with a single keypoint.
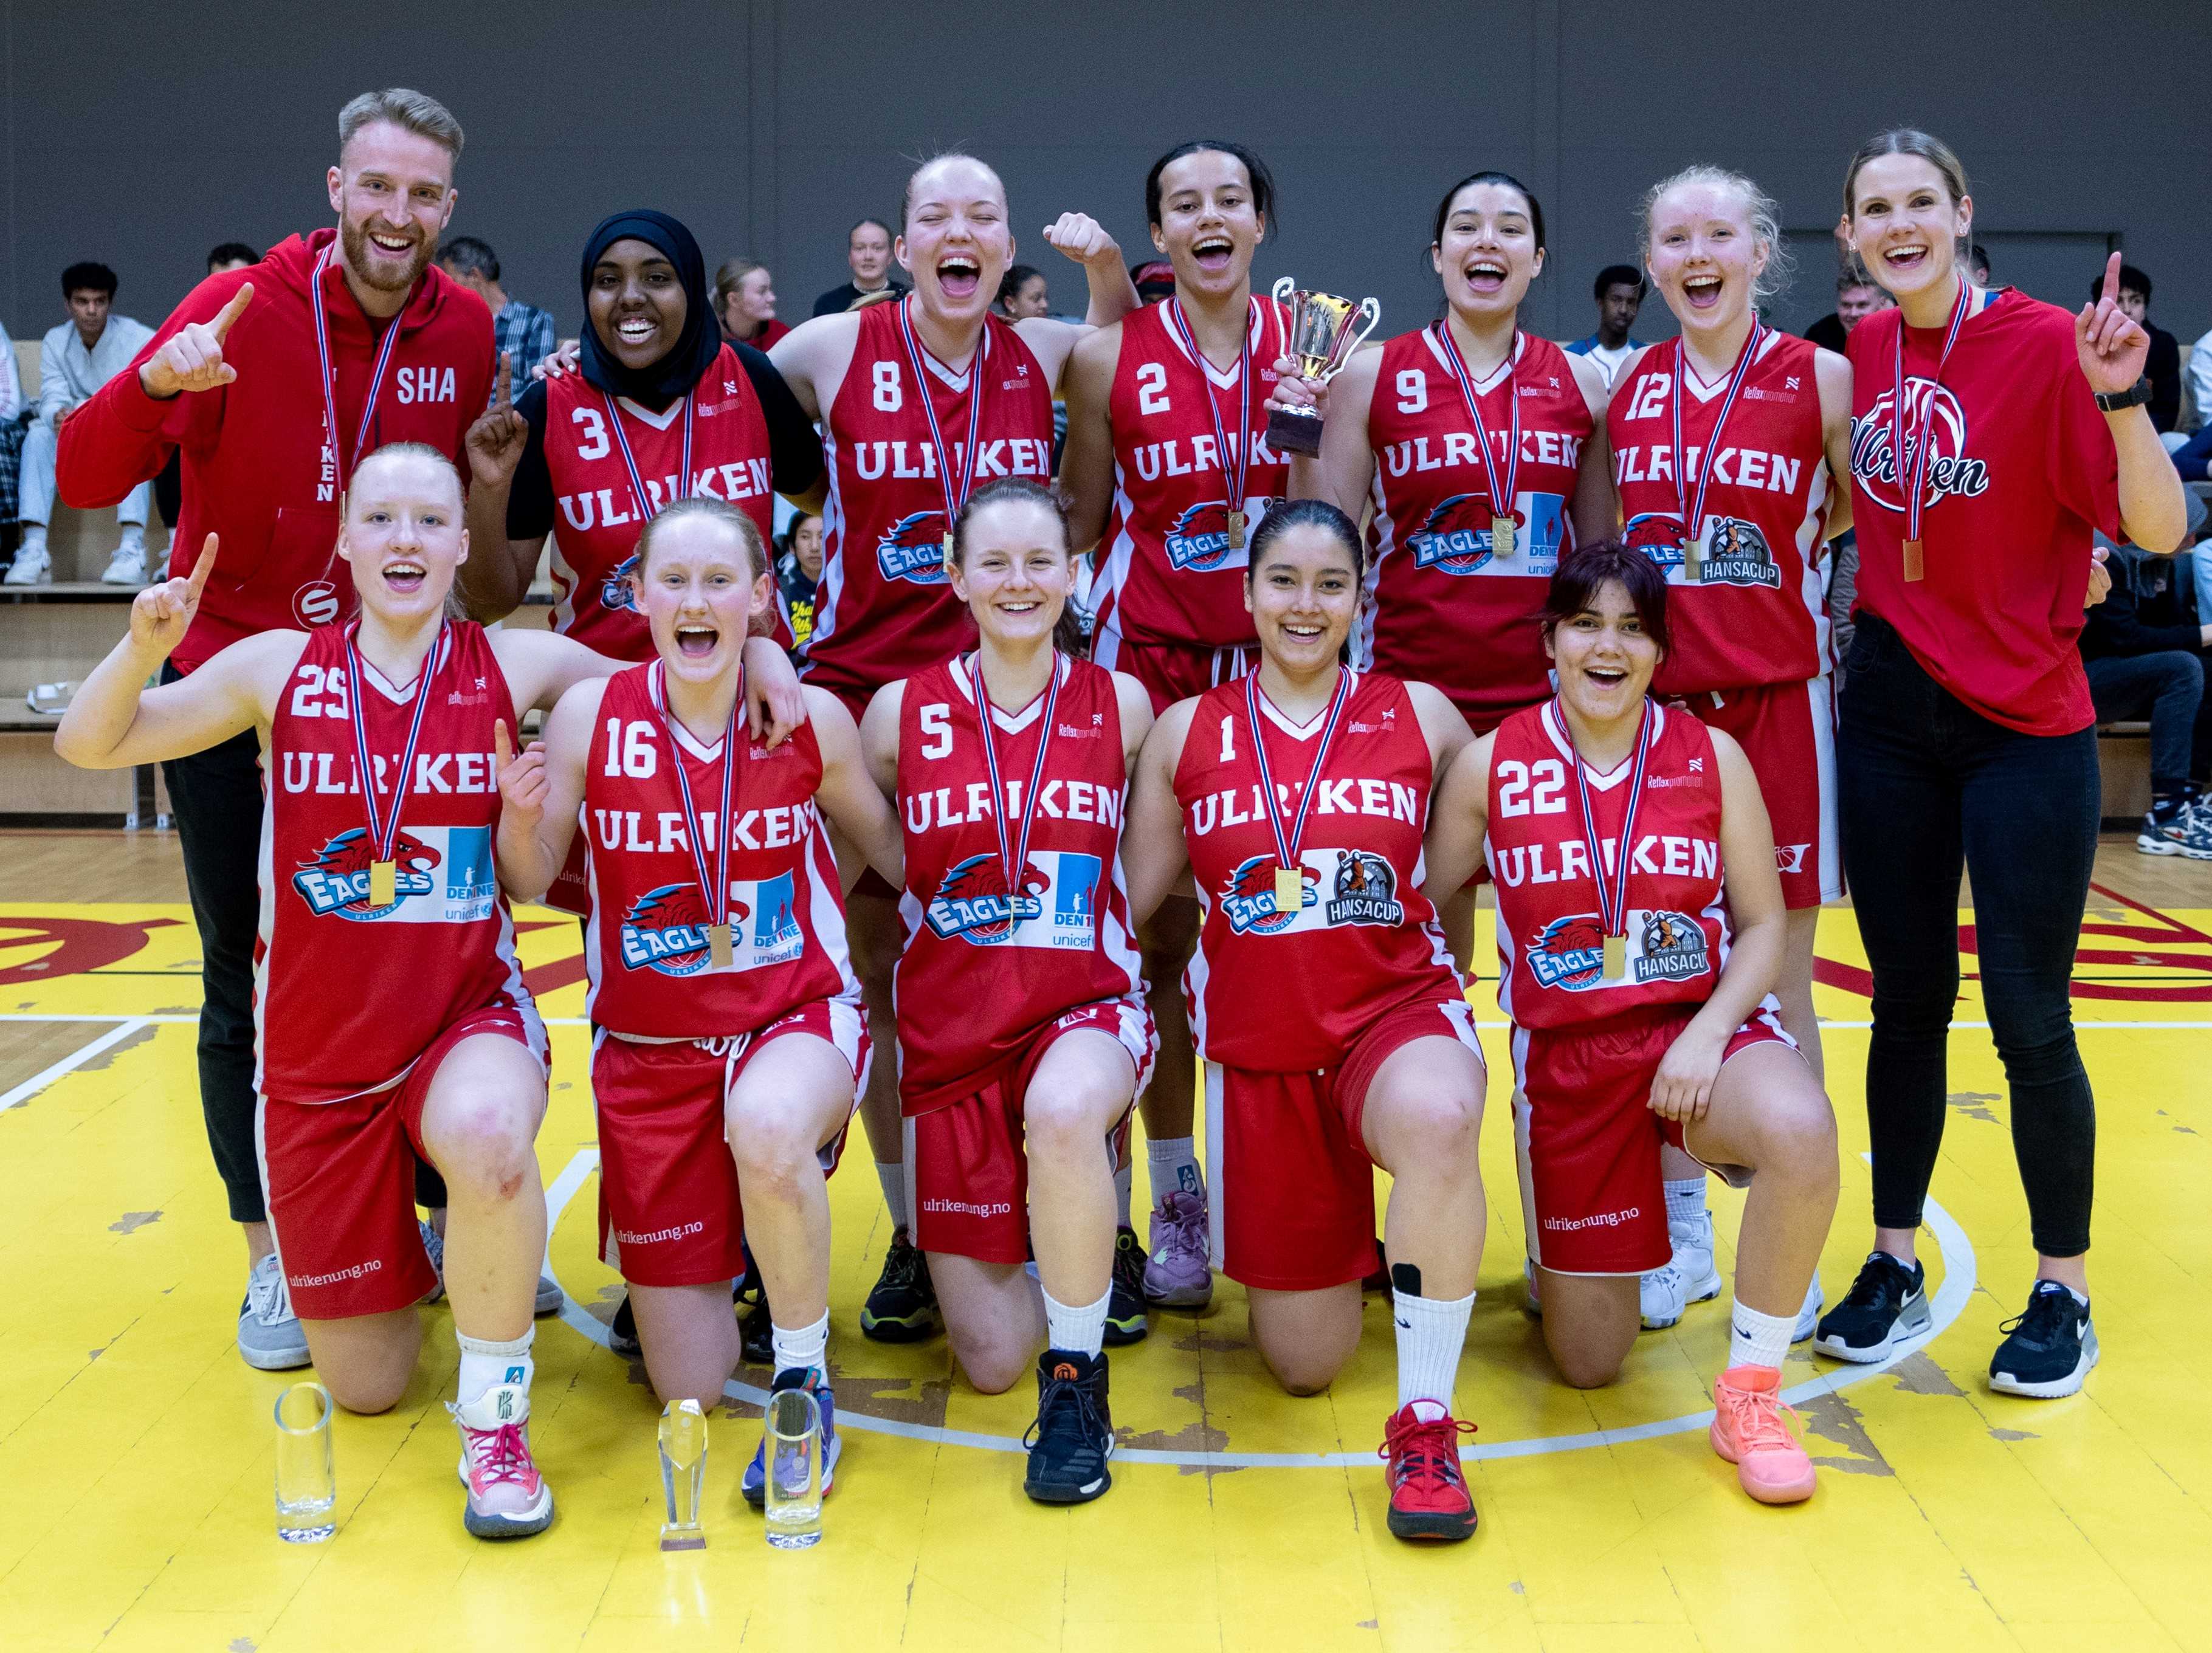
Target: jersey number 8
[{"x": 889, "y": 399}]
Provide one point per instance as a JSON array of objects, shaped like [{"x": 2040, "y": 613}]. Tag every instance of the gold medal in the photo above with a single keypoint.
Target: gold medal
[
  {"x": 1501, "y": 536},
  {"x": 1694, "y": 561},
  {"x": 383, "y": 883},
  {"x": 1290, "y": 891},
  {"x": 1616, "y": 957},
  {"x": 719, "y": 950},
  {"x": 948, "y": 550},
  {"x": 1913, "y": 569},
  {"x": 1236, "y": 531}
]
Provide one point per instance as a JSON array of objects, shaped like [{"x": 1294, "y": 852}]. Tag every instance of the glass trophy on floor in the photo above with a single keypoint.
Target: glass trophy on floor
[{"x": 682, "y": 1474}]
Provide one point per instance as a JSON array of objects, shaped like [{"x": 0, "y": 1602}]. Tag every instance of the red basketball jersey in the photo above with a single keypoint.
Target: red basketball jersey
[
  {"x": 985, "y": 968},
  {"x": 338, "y": 1010},
  {"x": 1439, "y": 607},
  {"x": 1167, "y": 572},
  {"x": 600, "y": 518},
  {"x": 651, "y": 974},
  {"x": 1550, "y": 956},
  {"x": 1283, "y": 994},
  {"x": 1759, "y": 615},
  {"x": 884, "y": 608}
]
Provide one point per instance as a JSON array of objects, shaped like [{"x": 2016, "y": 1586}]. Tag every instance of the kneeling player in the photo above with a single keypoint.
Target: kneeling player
[
  {"x": 1022, "y": 1030},
  {"x": 1336, "y": 1035},
  {"x": 1640, "y": 927},
  {"x": 394, "y": 1021},
  {"x": 730, "y": 1033}
]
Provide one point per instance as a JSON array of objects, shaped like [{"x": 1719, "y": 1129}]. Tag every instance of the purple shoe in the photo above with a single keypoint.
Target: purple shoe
[{"x": 1177, "y": 1276}]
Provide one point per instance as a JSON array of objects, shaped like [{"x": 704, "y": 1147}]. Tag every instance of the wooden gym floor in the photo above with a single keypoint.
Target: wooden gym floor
[{"x": 136, "y": 1453}]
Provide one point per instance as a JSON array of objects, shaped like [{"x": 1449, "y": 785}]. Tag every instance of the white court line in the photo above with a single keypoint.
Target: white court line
[
  {"x": 123, "y": 1029},
  {"x": 1494, "y": 1027},
  {"x": 1959, "y": 1274}
]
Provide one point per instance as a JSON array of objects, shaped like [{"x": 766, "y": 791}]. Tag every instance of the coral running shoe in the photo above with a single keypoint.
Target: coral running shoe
[
  {"x": 1177, "y": 1276},
  {"x": 507, "y": 1497},
  {"x": 1428, "y": 1489},
  {"x": 1748, "y": 1432}
]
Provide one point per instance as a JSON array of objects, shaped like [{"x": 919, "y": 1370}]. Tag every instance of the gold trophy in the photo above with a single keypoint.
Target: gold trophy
[{"x": 1324, "y": 331}]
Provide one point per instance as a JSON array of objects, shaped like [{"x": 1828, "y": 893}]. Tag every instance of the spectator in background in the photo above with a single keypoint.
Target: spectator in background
[
  {"x": 799, "y": 571},
  {"x": 74, "y": 360},
  {"x": 521, "y": 331},
  {"x": 1978, "y": 264},
  {"x": 2144, "y": 653},
  {"x": 231, "y": 255},
  {"x": 2163, "y": 368},
  {"x": 2200, "y": 380},
  {"x": 868, "y": 251},
  {"x": 744, "y": 303},
  {"x": 1022, "y": 293},
  {"x": 13, "y": 415},
  {"x": 1619, "y": 291},
  {"x": 1857, "y": 298},
  {"x": 1154, "y": 280}
]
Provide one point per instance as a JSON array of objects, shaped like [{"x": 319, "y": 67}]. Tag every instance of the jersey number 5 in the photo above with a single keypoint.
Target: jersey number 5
[
  {"x": 937, "y": 726},
  {"x": 1549, "y": 796},
  {"x": 630, "y": 750}
]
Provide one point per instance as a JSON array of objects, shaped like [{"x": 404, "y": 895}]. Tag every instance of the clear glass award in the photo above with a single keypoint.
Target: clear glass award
[
  {"x": 682, "y": 1474},
  {"x": 792, "y": 1444},
  {"x": 307, "y": 1482}
]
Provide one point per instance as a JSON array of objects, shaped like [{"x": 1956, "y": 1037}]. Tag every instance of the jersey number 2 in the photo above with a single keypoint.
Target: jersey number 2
[{"x": 1151, "y": 388}]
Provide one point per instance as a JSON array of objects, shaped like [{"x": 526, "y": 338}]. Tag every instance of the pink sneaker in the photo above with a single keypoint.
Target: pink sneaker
[
  {"x": 507, "y": 1497},
  {"x": 1178, "y": 1276},
  {"x": 1748, "y": 1432}
]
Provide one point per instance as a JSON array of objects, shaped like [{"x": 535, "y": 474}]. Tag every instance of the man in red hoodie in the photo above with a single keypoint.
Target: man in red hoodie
[{"x": 274, "y": 381}]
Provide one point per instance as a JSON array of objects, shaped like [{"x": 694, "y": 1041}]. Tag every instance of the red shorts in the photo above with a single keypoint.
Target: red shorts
[
  {"x": 1788, "y": 731},
  {"x": 1293, "y": 1189},
  {"x": 967, "y": 1171},
  {"x": 339, "y": 1180},
  {"x": 1591, "y": 1194},
  {"x": 669, "y": 1211},
  {"x": 1172, "y": 671}
]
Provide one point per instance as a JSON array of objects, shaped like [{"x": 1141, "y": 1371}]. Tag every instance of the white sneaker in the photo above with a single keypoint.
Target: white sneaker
[
  {"x": 127, "y": 567},
  {"x": 1808, "y": 1317},
  {"x": 31, "y": 567},
  {"x": 1687, "y": 1277}
]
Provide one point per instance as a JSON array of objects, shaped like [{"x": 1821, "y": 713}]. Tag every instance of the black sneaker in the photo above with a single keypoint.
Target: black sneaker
[
  {"x": 2048, "y": 1351},
  {"x": 902, "y": 1309},
  {"x": 622, "y": 1336},
  {"x": 1888, "y": 1306},
  {"x": 756, "y": 1331},
  {"x": 1126, "y": 1322},
  {"x": 1073, "y": 1435}
]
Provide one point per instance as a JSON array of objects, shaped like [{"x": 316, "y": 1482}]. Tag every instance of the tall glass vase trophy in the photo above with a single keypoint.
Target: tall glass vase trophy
[
  {"x": 1324, "y": 331},
  {"x": 682, "y": 1474}
]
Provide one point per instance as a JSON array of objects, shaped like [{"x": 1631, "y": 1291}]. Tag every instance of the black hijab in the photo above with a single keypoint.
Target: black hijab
[{"x": 695, "y": 348}]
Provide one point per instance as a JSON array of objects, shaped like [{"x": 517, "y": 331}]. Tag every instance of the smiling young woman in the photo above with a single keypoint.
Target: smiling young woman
[{"x": 1994, "y": 436}]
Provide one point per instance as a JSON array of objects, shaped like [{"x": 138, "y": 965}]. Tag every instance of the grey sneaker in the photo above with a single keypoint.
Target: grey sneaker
[
  {"x": 549, "y": 1290},
  {"x": 269, "y": 1335}
]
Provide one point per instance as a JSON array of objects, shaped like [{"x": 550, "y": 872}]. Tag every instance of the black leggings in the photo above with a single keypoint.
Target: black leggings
[
  {"x": 1928, "y": 786},
  {"x": 215, "y": 796}
]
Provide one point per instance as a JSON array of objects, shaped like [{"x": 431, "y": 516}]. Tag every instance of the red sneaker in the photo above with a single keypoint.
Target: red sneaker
[
  {"x": 1748, "y": 1432},
  {"x": 1428, "y": 1491}
]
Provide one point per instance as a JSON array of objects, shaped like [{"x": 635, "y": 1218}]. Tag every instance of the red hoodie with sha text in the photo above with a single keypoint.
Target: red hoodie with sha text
[{"x": 257, "y": 468}]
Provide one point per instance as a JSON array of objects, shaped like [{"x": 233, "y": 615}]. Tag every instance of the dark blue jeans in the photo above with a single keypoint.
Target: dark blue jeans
[
  {"x": 2170, "y": 686},
  {"x": 1928, "y": 787}
]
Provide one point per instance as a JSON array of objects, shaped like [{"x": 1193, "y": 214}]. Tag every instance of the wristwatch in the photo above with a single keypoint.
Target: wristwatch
[{"x": 2119, "y": 401}]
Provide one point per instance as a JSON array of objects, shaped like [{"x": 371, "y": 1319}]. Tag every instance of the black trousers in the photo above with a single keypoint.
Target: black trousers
[
  {"x": 1929, "y": 786},
  {"x": 215, "y": 796}
]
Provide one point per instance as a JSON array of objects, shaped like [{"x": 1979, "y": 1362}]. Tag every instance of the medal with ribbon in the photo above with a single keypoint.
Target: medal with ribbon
[
  {"x": 1502, "y": 484},
  {"x": 1234, "y": 478},
  {"x": 714, "y": 895},
  {"x": 1611, "y": 893},
  {"x": 1692, "y": 507},
  {"x": 1912, "y": 477},
  {"x": 384, "y": 830},
  {"x": 1290, "y": 878},
  {"x": 341, "y": 458},
  {"x": 1013, "y": 850},
  {"x": 646, "y": 510},
  {"x": 955, "y": 497}
]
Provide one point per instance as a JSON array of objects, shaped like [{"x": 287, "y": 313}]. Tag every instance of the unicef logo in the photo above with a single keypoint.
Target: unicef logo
[
  {"x": 1874, "y": 461},
  {"x": 315, "y": 603}
]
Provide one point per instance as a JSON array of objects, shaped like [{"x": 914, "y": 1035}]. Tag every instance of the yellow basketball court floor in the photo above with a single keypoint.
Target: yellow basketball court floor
[{"x": 135, "y": 1448}]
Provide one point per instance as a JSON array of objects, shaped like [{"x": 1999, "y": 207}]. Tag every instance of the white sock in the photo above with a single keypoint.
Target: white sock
[
  {"x": 1757, "y": 1339},
  {"x": 1175, "y": 1168},
  {"x": 34, "y": 537},
  {"x": 1685, "y": 1199},
  {"x": 1076, "y": 1331},
  {"x": 485, "y": 1365},
  {"x": 808, "y": 1346},
  {"x": 1430, "y": 1333},
  {"x": 134, "y": 538},
  {"x": 893, "y": 1177},
  {"x": 1123, "y": 1175}
]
